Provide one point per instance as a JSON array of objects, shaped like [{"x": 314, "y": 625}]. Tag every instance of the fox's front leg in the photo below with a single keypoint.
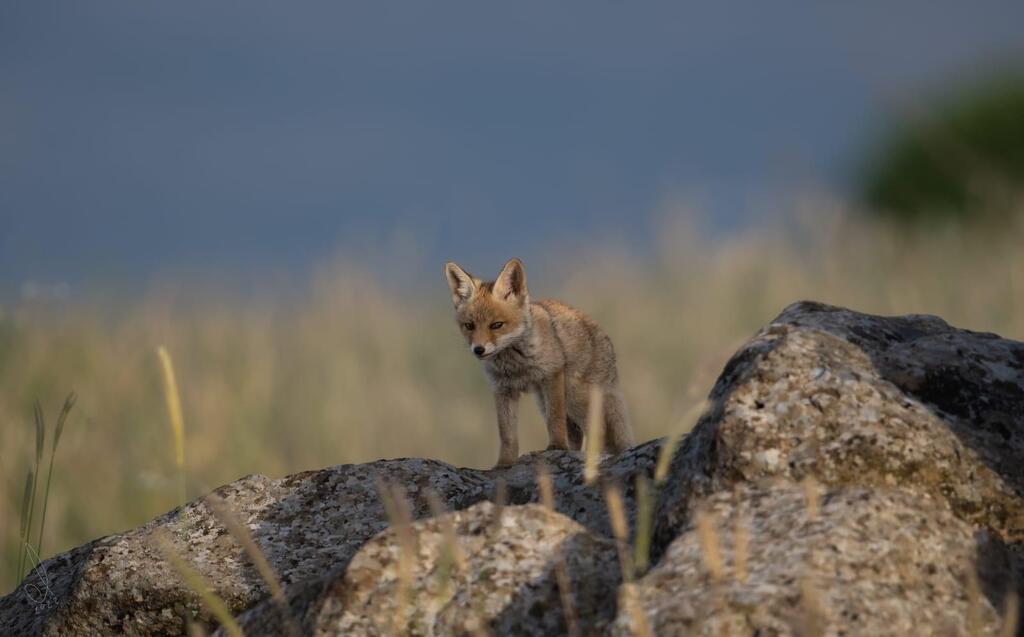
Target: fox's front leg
[
  {"x": 507, "y": 405},
  {"x": 558, "y": 437}
]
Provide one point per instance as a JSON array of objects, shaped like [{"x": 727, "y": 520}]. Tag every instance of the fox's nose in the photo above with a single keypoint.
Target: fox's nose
[{"x": 478, "y": 350}]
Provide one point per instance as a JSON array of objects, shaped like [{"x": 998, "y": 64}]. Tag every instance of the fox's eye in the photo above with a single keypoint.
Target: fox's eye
[
  {"x": 468, "y": 326},
  {"x": 497, "y": 325}
]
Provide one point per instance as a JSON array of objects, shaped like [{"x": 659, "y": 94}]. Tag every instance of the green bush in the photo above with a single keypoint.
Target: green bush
[{"x": 962, "y": 159}]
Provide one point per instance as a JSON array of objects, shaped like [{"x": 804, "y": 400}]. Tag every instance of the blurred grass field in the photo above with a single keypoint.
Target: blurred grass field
[{"x": 351, "y": 370}]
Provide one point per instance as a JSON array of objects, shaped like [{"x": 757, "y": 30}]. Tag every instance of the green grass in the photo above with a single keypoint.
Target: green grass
[{"x": 29, "y": 556}]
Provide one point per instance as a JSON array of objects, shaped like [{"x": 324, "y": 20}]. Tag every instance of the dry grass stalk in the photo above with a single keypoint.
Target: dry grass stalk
[
  {"x": 644, "y": 524},
  {"x": 31, "y": 502},
  {"x": 450, "y": 557},
  {"x": 69, "y": 402},
  {"x": 595, "y": 435},
  {"x": 196, "y": 629},
  {"x": 668, "y": 449},
  {"x": 451, "y": 541},
  {"x": 396, "y": 506},
  {"x": 29, "y": 557},
  {"x": 545, "y": 485},
  {"x": 197, "y": 584},
  {"x": 547, "y": 498},
  {"x": 741, "y": 547},
  {"x": 665, "y": 458},
  {"x": 813, "y": 496},
  {"x": 241, "y": 533},
  {"x": 1011, "y": 615},
  {"x": 407, "y": 546},
  {"x": 500, "y": 498},
  {"x": 711, "y": 553},
  {"x": 565, "y": 594},
  {"x": 697, "y": 408},
  {"x": 620, "y": 528},
  {"x": 476, "y": 626},
  {"x": 974, "y": 621},
  {"x": 40, "y": 423},
  {"x": 173, "y": 400},
  {"x": 641, "y": 627},
  {"x": 26, "y": 506},
  {"x": 812, "y": 618}
]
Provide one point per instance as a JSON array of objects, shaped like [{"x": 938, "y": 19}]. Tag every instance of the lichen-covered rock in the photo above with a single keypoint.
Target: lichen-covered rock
[
  {"x": 306, "y": 524},
  {"x": 854, "y": 399},
  {"x": 507, "y": 583},
  {"x": 583, "y": 503},
  {"x": 309, "y": 525},
  {"x": 572, "y": 497},
  {"x": 864, "y": 561}
]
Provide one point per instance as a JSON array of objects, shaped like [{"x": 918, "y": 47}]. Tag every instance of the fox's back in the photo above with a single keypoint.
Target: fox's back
[
  {"x": 588, "y": 353},
  {"x": 560, "y": 337}
]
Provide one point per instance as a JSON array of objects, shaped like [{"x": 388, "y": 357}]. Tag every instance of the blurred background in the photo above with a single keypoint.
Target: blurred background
[{"x": 270, "y": 190}]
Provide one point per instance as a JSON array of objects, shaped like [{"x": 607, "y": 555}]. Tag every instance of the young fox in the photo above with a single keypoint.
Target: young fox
[{"x": 547, "y": 348}]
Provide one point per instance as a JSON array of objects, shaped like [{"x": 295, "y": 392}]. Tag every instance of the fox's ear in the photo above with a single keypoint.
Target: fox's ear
[
  {"x": 511, "y": 283},
  {"x": 461, "y": 282}
]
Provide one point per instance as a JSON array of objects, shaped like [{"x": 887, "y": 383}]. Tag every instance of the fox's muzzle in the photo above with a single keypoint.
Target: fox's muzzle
[{"x": 482, "y": 351}]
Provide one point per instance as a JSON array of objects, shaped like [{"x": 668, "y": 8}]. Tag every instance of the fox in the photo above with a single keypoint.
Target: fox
[{"x": 546, "y": 348}]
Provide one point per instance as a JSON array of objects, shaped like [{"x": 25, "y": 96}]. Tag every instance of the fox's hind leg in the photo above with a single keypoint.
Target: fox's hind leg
[{"x": 575, "y": 435}]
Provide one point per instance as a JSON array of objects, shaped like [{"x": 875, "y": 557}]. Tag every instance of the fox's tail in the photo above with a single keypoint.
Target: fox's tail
[{"x": 618, "y": 433}]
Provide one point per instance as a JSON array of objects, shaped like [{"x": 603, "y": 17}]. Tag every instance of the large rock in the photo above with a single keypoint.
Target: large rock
[
  {"x": 854, "y": 399},
  {"x": 309, "y": 525},
  {"x": 306, "y": 524},
  {"x": 507, "y": 585},
  {"x": 861, "y": 561}
]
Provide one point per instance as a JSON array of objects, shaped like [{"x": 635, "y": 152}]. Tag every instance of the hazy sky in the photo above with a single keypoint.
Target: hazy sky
[{"x": 140, "y": 137}]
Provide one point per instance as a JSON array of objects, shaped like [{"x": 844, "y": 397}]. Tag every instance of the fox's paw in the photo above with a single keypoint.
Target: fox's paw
[{"x": 505, "y": 461}]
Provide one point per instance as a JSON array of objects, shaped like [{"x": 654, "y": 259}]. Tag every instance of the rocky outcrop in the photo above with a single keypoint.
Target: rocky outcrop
[
  {"x": 850, "y": 398},
  {"x": 856, "y": 560},
  {"x": 309, "y": 525},
  {"x": 306, "y": 524},
  {"x": 507, "y": 580},
  {"x": 913, "y": 429}
]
